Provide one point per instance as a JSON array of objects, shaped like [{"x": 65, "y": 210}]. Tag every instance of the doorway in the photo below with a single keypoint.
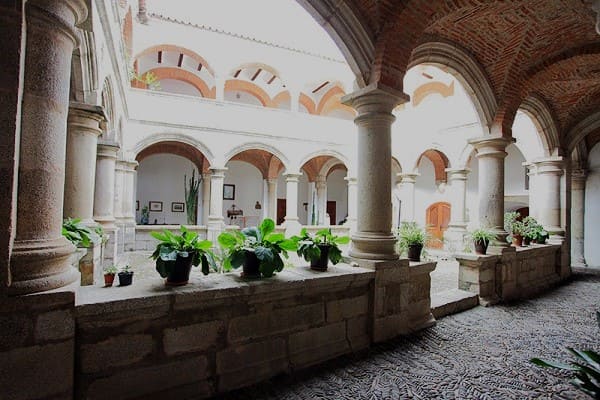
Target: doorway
[
  {"x": 331, "y": 211},
  {"x": 281, "y": 208},
  {"x": 437, "y": 219}
]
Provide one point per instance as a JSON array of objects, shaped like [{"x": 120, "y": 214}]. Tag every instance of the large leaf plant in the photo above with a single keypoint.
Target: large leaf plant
[
  {"x": 268, "y": 246},
  {"x": 308, "y": 245},
  {"x": 172, "y": 245}
]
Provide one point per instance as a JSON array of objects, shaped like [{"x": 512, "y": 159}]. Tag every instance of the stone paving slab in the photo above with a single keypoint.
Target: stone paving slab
[{"x": 482, "y": 353}]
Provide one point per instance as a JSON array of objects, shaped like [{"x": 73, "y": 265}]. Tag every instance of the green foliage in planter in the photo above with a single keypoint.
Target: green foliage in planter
[
  {"x": 192, "y": 186},
  {"x": 586, "y": 369},
  {"x": 533, "y": 229},
  {"x": 77, "y": 233},
  {"x": 482, "y": 235},
  {"x": 172, "y": 245},
  {"x": 110, "y": 270},
  {"x": 262, "y": 241},
  {"x": 512, "y": 225},
  {"x": 308, "y": 245},
  {"x": 409, "y": 233}
]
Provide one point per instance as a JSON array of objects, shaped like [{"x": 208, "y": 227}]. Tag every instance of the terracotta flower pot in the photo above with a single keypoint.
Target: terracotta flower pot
[
  {"x": 109, "y": 279},
  {"x": 517, "y": 240},
  {"x": 414, "y": 252}
]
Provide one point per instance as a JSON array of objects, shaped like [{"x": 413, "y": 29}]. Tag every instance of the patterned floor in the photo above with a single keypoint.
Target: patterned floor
[{"x": 482, "y": 353}]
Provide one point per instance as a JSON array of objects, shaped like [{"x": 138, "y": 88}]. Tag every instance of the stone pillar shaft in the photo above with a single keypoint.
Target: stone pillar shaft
[
  {"x": 374, "y": 104},
  {"x": 217, "y": 179},
  {"x": 578, "y": 178},
  {"x": 407, "y": 196},
  {"x": 205, "y": 198},
  {"x": 321, "y": 188},
  {"x": 291, "y": 208},
  {"x": 549, "y": 171},
  {"x": 352, "y": 202},
  {"x": 104, "y": 194},
  {"x": 491, "y": 154},
  {"x": 458, "y": 187},
  {"x": 271, "y": 205},
  {"x": 83, "y": 129},
  {"x": 41, "y": 256}
]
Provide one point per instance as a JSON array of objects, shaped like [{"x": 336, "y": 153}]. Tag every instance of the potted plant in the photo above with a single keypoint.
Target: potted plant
[
  {"x": 77, "y": 233},
  {"x": 320, "y": 248},
  {"x": 411, "y": 238},
  {"x": 145, "y": 219},
  {"x": 514, "y": 227},
  {"x": 125, "y": 276},
  {"x": 109, "y": 275},
  {"x": 530, "y": 226},
  {"x": 259, "y": 250},
  {"x": 176, "y": 253},
  {"x": 481, "y": 239}
]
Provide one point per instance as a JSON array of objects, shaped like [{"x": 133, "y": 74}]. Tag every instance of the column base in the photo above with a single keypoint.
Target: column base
[
  {"x": 109, "y": 253},
  {"x": 37, "y": 266},
  {"x": 580, "y": 262},
  {"x": 454, "y": 238},
  {"x": 126, "y": 234},
  {"x": 373, "y": 246},
  {"x": 214, "y": 228},
  {"x": 292, "y": 226}
]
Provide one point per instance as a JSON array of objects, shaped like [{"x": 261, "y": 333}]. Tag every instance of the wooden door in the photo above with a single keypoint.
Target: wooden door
[
  {"x": 281, "y": 209},
  {"x": 331, "y": 212},
  {"x": 437, "y": 220}
]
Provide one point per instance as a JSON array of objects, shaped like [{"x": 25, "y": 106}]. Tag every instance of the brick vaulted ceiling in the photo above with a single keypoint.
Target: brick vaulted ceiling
[{"x": 547, "y": 48}]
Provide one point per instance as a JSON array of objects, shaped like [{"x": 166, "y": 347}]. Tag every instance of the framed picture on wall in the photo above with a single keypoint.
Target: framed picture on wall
[
  {"x": 228, "y": 192},
  {"x": 155, "y": 206},
  {"x": 177, "y": 207},
  {"x": 137, "y": 205}
]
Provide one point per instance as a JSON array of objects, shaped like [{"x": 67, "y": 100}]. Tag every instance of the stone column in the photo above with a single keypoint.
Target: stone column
[
  {"x": 271, "y": 205},
  {"x": 457, "y": 228},
  {"x": 104, "y": 194},
  {"x": 215, "y": 218},
  {"x": 292, "y": 222},
  {"x": 578, "y": 178},
  {"x": 352, "y": 202},
  {"x": 124, "y": 209},
  {"x": 321, "y": 188},
  {"x": 490, "y": 155},
  {"x": 41, "y": 256},
  {"x": 549, "y": 170},
  {"x": 83, "y": 129},
  {"x": 407, "y": 196},
  {"x": 374, "y": 104},
  {"x": 533, "y": 190},
  {"x": 205, "y": 198}
]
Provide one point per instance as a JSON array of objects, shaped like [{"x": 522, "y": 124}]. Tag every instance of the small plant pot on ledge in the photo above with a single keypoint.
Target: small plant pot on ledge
[
  {"x": 414, "y": 252},
  {"x": 320, "y": 264},
  {"x": 125, "y": 278},
  {"x": 108, "y": 280},
  {"x": 517, "y": 240},
  {"x": 179, "y": 273},
  {"x": 251, "y": 266},
  {"x": 481, "y": 246}
]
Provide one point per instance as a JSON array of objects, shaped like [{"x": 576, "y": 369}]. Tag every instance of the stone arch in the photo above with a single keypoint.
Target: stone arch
[
  {"x": 336, "y": 91},
  {"x": 181, "y": 50},
  {"x": 257, "y": 146},
  {"x": 330, "y": 153},
  {"x": 541, "y": 115},
  {"x": 440, "y": 163},
  {"x": 331, "y": 165},
  {"x": 466, "y": 155},
  {"x": 107, "y": 102},
  {"x": 581, "y": 130},
  {"x": 177, "y": 148},
  {"x": 250, "y": 88},
  {"x": 262, "y": 66},
  {"x": 464, "y": 68},
  {"x": 432, "y": 88},
  {"x": 84, "y": 71},
  {"x": 184, "y": 76},
  {"x": 280, "y": 98},
  {"x": 307, "y": 103},
  {"x": 174, "y": 137},
  {"x": 266, "y": 162},
  {"x": 579, "y": 156}
]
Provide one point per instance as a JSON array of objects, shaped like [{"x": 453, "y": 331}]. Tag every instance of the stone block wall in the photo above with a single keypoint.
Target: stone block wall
[
  {"x": 218, "y": 334},
  {"x": 513, "y": 274},
  {"x": 144, "y": 242},
  {"x": 37, "y": 343}
]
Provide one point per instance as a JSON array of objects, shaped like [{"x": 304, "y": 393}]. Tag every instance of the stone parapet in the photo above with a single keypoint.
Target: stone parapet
[
  {"x": 513, "y": 274},
  {"x": 145, "y": 242}
]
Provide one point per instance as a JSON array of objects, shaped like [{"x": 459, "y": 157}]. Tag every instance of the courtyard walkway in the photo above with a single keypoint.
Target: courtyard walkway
[{"x": 482, "y": 353}]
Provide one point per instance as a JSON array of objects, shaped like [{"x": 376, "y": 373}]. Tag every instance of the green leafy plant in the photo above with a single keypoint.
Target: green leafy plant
[
  {"x": 482, "y": 234},
  {"x": 77, "y": 233},
  {"x": 110, "y": 270},
  {"x": 512, "y": 223},
  {"x": 192, "y": 186},
  {"x": 172, "y": 245},
  {"x": 586, "y": 369},
  {"x": 145, "y": 215},
  {"x": 98, "y": 230},
  {"x": 410, "y": 233},
  {"x": 309, "y": 246},
  {"x": 533, "y": 229},
  {"x": 267, "y": 245},
  {"x": 126, "y": 269}
]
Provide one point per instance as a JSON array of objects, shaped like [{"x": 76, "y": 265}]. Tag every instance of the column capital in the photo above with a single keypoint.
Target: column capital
[
  {"x": 57, "y": 14},
  {"x": 375, "y": 100},
  {"x": 458, "y": 174},
  {"x": 107, "y": 149},
  {"x": 321, "y": 181},
  {"x": 408, "y": 177},
  {"x": 292, "y": 176},
  {"x": 271, "y": 180},
  {"x": 127, "y": 165},
  {"x": 217, "y": 172},
  {"x": 549, "y": 165},
  {"x": 351, "y": 180},
  {"x": 491, "y": 146},
  {"x": 579, "y": 174}
]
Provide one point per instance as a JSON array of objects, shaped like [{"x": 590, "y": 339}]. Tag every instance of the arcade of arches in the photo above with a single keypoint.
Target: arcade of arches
[{"x": 447, "y": 115}]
